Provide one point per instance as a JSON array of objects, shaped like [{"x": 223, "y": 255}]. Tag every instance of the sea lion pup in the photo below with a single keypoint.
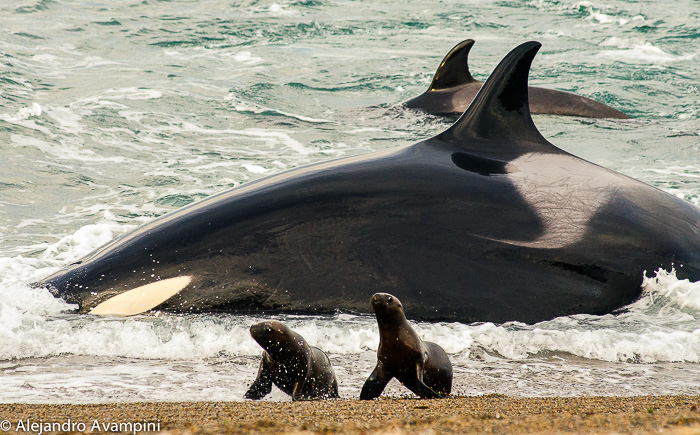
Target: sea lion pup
[
  {"x": 423, "y": 367},
  {"x": 302, "y": 371}
]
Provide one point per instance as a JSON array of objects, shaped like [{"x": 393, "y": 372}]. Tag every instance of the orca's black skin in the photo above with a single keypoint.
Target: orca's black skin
[
  {"x": 485, "y": 222},
  {"x": 453, "y": 88}
]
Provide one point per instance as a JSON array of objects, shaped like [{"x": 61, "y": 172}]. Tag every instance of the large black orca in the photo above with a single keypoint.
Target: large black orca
[
  {"x": 487, "y": 221},
  {"x": 453, "y": 88}
]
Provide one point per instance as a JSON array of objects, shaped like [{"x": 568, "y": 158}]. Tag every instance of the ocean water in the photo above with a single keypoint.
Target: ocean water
[{"x": 113, "y": 113}]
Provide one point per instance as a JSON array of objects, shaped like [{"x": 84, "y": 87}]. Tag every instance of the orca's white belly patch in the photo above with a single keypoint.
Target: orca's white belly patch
[{"x": 141, "y": 299}]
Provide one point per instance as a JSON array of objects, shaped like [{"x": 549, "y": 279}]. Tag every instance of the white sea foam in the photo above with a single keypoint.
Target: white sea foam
[
  {"x": 132, "y": 94},
  {"x": 66, "y": 118},
  {"x": 273, "y": 137},
  {"x": 602, "y": 18},
  {"x": 71, "y": 60},
  {"x": 665, "y": 286},
  {"x": 23, "y": 118},
  {"x": 60, "y": 62},
  {"x": 255, "y": 169},
  {"x": 82, "y": 242},
  {"x": 633, "y": 50},
  {"x": 66, "y": 149},
  {"x": 22, "y": 114},
  {"x": 277, "y": 10},
  {"x": 598, "y": 14},
  {"x": 243, "y": 106},
  {"x": 246, "y": 57}
]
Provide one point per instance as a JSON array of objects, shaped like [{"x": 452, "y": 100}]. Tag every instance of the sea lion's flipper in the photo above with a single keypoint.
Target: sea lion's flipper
[
  {"x": 262, "y": 385},
  {"x": 375, "y": 383},
  {"x": 322, "y": 390},
  {"x": 299, "y": 392},
  {"x": 454, "y": 68},
  {"x": 419, "y": 387},
  {"x": 424, "y": 391},
  {"x": 334, "y": 390},
  {"x": 498, "y": 122}
]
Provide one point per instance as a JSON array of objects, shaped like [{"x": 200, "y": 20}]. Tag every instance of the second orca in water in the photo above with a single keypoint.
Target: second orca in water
[{"x": 453, "y": 88}]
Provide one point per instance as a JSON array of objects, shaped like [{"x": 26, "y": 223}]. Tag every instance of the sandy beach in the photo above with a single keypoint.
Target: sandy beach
[{"x": 483, "y": 414}]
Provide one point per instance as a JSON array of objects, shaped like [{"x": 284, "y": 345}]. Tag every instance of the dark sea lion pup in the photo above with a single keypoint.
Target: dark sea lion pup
[
  {"x": 302, "y": 371},
  {"x": 423, "y": 367}
]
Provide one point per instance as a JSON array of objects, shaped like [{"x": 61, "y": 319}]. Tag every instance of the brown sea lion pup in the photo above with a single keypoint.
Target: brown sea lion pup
[
  {"x": 423, "y": 367},
  {"x": 302, "y": 371}
]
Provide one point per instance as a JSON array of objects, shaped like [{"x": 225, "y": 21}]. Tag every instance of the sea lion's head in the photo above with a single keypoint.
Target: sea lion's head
[
  {"x": 387, "y": 306},
  {"x": 271, "y": 335}
]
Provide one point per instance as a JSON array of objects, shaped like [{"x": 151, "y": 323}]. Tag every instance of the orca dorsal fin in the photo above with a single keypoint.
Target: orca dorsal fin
[
  {"x": 500, "y": 112},
  {"x": 454, "y": 68}
]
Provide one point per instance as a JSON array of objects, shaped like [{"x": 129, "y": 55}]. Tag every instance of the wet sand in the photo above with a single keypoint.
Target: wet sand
[{"x": 483, "y": 414}]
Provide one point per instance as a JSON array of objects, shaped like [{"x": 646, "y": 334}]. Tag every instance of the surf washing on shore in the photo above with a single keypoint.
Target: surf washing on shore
[{"x": 113, "y": 114}]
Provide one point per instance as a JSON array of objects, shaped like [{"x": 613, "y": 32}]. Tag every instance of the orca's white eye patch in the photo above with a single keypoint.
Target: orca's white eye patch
[{"x": 141, "y": 299}]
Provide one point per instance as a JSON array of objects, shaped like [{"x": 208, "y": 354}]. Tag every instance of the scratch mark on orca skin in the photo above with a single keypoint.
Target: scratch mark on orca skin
[{"x": 565, "y": 199}]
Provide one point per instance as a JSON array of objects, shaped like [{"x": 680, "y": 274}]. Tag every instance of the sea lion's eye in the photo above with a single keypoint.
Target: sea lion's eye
[
  {"x": 268, "y": 330},
  {"x": 390, "y": 300}
]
